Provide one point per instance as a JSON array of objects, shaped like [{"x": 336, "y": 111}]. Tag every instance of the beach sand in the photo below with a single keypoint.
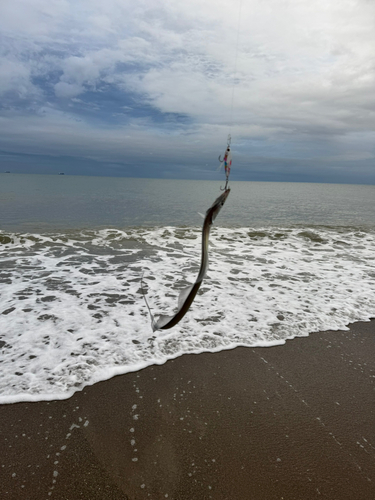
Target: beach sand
[{"x": 295, "y": 421}]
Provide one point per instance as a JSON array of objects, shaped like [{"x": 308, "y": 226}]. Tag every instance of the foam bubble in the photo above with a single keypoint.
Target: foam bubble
[{"x": 72, "y": 311}]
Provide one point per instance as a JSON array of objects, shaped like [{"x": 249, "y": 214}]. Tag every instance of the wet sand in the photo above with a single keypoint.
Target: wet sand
[{"x": 290, "y": 422}]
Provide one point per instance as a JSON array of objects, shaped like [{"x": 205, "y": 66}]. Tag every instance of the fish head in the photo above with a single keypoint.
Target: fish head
[{"x": 217, "y": 205}]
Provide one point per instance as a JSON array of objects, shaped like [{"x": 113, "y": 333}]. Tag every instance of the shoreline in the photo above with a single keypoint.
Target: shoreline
[{"x": 290, "y": 421}]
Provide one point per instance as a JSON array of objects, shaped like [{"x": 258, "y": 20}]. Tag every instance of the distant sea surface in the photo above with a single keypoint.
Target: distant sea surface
[
  {"x": 286, "y": 259},
  {"x": 49, "y": 203}
]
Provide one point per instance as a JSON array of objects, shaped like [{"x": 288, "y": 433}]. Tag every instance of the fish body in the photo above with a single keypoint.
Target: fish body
[{"x": 188, "y": 294}]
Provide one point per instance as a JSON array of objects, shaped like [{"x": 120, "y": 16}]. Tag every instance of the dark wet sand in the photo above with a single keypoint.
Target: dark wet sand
[{"x": 293, "y": 422}]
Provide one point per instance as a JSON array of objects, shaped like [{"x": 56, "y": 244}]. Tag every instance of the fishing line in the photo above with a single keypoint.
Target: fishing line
[
  {"x": 148, "y": 307},
  {"x": 188, "y": 294},
  {"x": 227, "y": 160},
  {"x": 235, "y": 67}
]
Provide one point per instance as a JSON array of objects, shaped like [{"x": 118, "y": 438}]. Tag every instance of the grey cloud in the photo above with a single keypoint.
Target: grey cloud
[{"x": 133, "y": 80}]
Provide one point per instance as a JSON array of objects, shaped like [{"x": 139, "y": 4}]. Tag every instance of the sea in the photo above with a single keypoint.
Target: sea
[{"x": 79, "y": 254}]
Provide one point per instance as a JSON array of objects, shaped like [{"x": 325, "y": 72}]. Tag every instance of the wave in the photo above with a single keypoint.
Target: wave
[{"x": 72, "y": 311}]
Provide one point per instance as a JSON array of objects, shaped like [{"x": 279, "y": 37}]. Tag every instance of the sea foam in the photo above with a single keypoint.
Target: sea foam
[{"x": 72, "y": 311}]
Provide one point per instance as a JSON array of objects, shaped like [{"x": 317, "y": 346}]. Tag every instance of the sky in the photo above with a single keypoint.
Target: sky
[{"x": 153, "y": 88}]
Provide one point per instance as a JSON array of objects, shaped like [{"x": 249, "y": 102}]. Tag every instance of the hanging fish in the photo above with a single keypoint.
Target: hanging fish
[{"x": 188, "y": 294}]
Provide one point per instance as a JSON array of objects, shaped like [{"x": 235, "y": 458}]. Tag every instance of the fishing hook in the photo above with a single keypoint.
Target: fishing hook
[{"x": 225, "y": 187}]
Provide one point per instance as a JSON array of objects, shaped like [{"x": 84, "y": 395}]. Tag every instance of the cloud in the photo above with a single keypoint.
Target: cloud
[
  {"x": 14, "y": 75},
  {"x": 65, "y": 89},
  {"x": 290, "y": 80}
]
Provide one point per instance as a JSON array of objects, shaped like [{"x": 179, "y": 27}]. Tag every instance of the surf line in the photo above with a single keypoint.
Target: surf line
[{"x": 187, "y": 295}]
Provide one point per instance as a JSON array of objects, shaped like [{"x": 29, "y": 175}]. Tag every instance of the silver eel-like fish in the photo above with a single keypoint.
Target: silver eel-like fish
[{"x": 188, "y": 294}]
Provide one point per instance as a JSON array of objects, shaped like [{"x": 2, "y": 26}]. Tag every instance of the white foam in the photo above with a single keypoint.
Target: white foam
[{"x": 72, "y": 312}]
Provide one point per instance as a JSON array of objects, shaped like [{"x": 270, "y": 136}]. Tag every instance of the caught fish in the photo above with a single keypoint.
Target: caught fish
[{"x": 188, "y": 294}]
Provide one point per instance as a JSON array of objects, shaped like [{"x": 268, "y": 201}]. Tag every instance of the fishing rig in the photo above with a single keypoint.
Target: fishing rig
[
  {"x": 227, "y": 160},
  {"x": 188, "y": 294}
]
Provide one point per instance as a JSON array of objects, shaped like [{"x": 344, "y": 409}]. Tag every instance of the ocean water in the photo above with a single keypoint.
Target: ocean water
[{"x": 286, "y": 260}]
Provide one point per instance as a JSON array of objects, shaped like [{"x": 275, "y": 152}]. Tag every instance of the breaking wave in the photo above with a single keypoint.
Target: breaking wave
[{"x": 72, "y": 311}]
